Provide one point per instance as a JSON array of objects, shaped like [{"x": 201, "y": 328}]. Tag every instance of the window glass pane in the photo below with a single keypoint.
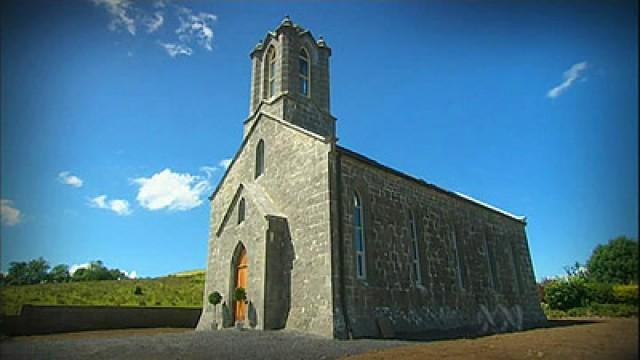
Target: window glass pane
[
  {"x": 360, "y": 269},
  {"x": 241, "y": 211},
  {"x": 304, "y": 67},
  {"x": 357, "y": 221},
  {"x": 260, "y": 158},
  {"x": 415, "y": 250},
  {"x": 358, "y": 239},
  {"x": 304, "y": 87}
]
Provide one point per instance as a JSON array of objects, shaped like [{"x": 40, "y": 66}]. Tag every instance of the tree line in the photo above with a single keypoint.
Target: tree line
[
  {"x": 38, "y": 271},
  {"x": 610, "y": 277}
]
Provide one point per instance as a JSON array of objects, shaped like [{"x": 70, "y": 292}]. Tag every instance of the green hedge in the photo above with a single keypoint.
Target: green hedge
[
  {"x": 625, "y": 294},
  {"x": 593, "y": 310},
  {"x": 565, "y": 294}
]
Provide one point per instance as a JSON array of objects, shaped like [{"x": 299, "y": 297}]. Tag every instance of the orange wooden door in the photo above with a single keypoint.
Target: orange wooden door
[{"x": 242, "y": 274}]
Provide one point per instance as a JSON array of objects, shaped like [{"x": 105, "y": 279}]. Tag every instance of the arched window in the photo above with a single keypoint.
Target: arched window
[
  {"x": 303, "y": 72},
  {"x": 457, "y": 258},
  {"x": 415, "y": 254},
  {"x": 491, "y": 264},
  {"x": 241, "y": 211},
  {"x": 516, "y": 267},
  {"x": 260, "y": 158},
  {"x": 271, "y": 63},
  {"x": 358, "y": 235}
]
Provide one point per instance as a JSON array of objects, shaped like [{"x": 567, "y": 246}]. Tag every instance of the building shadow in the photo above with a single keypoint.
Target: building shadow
[{"x": 472, "y": 332}]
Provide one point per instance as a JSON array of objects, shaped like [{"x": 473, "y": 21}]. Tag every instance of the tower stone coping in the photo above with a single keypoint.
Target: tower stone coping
[
  {"x": 276, "y": 98},
  {"x": 296, "y": 127},
  {"x": 287, "y": 24},
  {"x": 466, "y": 198}
]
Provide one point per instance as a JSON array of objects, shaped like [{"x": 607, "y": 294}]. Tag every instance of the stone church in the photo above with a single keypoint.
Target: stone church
[{"x": 327, "y": 241}]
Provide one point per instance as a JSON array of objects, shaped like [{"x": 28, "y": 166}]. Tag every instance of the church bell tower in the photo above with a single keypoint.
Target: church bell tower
[{"x": 290, "y": 79}]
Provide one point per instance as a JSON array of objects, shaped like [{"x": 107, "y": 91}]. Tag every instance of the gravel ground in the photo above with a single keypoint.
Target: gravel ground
[{"x": 222, "y": 344}]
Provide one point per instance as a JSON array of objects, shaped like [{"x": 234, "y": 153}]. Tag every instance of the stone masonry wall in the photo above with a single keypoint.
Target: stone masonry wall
[
  {"x": 495, "y": 292},
  {"x": 296, "y": 180},
  {"x": 220, "y": 274}
]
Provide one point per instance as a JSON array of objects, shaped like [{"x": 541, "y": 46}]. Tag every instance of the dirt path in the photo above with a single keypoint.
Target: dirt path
[{"x": 566, "y": 339}]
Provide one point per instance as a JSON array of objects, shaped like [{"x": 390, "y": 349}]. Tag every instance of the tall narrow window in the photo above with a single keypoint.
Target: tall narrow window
[
  {"x": 260, "y": 158},
  {"x": 491, "y": 264},
  {"x": 241, "y": 211},
  {"x": 516, "y": 267},
  {"x": 415, "y": 254},
  {"x": 272, "y": 71},
  {"x": 303, "y": 72},
  {"x": 457, "y": 258},
  {"x": 358, "y": 235}
]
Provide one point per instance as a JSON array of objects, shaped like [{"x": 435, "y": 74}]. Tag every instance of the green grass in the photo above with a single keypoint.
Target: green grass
[{"x": 184, "y": 290}]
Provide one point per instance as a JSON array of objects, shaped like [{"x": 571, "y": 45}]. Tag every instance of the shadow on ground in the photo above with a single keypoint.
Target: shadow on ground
[{"x": 469, "y": 333}]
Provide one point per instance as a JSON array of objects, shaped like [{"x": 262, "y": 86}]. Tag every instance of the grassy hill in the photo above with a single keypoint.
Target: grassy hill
[{"x": 183, "y": 289}]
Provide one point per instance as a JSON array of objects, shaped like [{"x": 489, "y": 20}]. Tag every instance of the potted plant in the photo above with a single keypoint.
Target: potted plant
[
  {"x": 214, "y": 299},
  {"x": 240, "y": 294}
]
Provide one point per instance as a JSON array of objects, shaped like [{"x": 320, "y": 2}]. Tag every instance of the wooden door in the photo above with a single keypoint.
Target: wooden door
[{"x": 242, "y": 275}]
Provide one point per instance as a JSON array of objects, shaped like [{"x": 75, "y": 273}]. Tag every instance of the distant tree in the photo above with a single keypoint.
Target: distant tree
[
  {"x": 616, "y": 262},
  {"x": 116, "y": 274},
  {"x": 80, "y": 274},
  {"x": 23, "y": 273},
  {"x": 97, "y": 271},
  {"x": 3, "y": 278},
  {"x": 59, "y": 274},
  {"x": 576, "y": 270},
  {"x": 17, "y": 273},
  {"x": 37, "y": 271}
]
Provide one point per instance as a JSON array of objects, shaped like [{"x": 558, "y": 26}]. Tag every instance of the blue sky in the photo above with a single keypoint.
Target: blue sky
[{"x": 116, "y": 117}]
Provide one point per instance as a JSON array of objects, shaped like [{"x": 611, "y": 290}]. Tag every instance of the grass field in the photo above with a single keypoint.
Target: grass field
[{"x": 183, "y": 289}]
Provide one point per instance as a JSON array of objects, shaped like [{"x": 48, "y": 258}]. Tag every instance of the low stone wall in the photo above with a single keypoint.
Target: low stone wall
[{"x": 35, "y": 320}]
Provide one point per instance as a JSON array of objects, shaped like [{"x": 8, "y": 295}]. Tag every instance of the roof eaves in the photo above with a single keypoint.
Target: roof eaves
[{"x": 422, "y": 182}]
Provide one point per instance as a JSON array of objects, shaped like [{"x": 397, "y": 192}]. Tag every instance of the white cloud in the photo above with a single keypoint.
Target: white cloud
[
  {"x": 76, "y": 267},
  {"x": 198, "y": 28},
  {"x": 9, "y": 215},
  {"x": 65, "y": 177},
  {"x": 176, "y": 49},
  {"x": 225, "y": 163},
  {"x": 118, "y": 206},
  {"x": 155, "y": 22},
  {"x": 120, "y": 12},
  {"x": 209, "y": 170},
  {"x": 170, "y": 190},
  {"x": 193, "y": 29},
  {"x": 569, "y": 77},
  {"x": 131, "y": 275}
]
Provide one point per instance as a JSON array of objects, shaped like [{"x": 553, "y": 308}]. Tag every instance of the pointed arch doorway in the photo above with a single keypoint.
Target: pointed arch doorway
[{"x": 241, "y": 276}]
